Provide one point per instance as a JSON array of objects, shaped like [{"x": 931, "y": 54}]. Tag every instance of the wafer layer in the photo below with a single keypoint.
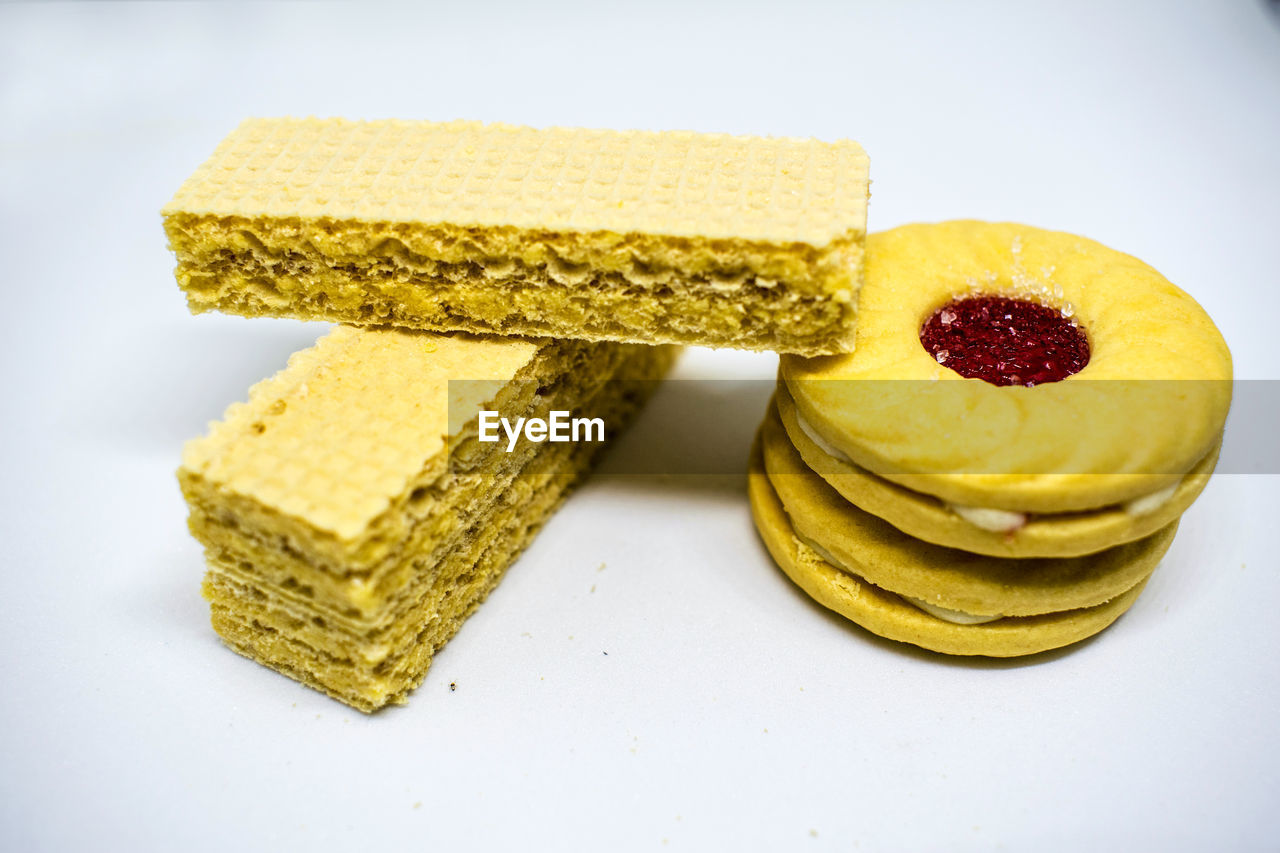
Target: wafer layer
[
  {"x": 368, "y": 665},
  {"x": 344, "y": 551},
  {"x": 597, "y": 235}
]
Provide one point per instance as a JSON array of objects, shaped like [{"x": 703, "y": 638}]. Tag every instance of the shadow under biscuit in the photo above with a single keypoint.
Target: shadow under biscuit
[{"x": 693, "y": 435}]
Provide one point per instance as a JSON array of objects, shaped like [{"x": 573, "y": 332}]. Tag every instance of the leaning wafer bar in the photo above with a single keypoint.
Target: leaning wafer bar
[
  {"x": 351, "y": 517},
  {"x": 675, "y": 237}
]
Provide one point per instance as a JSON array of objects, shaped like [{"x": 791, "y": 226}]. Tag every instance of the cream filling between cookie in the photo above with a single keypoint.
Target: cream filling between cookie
[
  {"x": 995, "y": 520},
  {"x": 989, "y": 518},
  {"x": 1148, "y": 504},
  {"x": 959, "y": 617},
  {"x": 956, "y": 617},
  {"x": 823, "y": 445}
]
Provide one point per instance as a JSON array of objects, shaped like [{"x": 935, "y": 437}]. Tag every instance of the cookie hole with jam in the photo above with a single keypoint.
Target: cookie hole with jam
[{"x": 1005, "y": 341}]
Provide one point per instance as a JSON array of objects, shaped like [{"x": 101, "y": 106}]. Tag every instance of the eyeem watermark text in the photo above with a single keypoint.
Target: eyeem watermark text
[{"x": 559, "y": 427}]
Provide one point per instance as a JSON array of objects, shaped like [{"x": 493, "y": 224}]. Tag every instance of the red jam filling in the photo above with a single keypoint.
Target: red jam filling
[{"x": 1005, "y": 341}]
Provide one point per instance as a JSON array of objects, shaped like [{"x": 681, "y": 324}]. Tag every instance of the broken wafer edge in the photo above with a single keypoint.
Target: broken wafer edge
[
  {"x": 647, "y": 237},
  {"x": 352, "y": 520}
]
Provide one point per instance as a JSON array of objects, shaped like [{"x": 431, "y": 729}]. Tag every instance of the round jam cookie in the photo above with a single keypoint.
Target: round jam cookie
[
  {"x": 888, "y": 615},
  {"x": 1147, "y": 405},
  {"x": 1052, "y": 535},
  {"x": 958, "y": 581}
]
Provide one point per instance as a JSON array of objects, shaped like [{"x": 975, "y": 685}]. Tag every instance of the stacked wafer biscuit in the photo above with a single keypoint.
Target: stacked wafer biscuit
[
  {"x": 351, "y": 516},
  {"x": 350, "y": 527}
]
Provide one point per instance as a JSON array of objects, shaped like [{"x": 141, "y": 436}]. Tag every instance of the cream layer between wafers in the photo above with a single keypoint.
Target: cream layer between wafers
[
  {"x": 673, "y": 237},
  {"x": 352, "y": 519}
]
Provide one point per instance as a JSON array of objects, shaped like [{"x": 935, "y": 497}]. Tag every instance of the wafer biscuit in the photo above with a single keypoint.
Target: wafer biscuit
[
  {"x": 673, "y": 237},
  {"x": 350, "y": 515}
]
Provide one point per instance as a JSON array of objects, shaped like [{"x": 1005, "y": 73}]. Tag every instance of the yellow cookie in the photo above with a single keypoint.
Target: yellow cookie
[
  {"x": 888, "y": 615},
  {"x": 1146, "y": 408},
  {"x": 1015, "y": 535},
  {"x": 946, "y": 578}
]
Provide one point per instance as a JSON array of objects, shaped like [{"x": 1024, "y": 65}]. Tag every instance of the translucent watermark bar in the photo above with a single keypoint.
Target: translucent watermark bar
[{"x": 705, "y": 426}]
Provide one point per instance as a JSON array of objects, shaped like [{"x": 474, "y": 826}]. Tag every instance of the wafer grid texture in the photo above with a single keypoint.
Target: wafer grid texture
[
  {"x": 351, "y": 518},
  {"x": 380, "y": 404},
  {"x": 676, "y": 184},
  {"x": 599, "y": 235}
]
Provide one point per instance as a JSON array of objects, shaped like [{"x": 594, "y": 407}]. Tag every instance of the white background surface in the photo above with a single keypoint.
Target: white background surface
[{"x": 730, "y": 712}]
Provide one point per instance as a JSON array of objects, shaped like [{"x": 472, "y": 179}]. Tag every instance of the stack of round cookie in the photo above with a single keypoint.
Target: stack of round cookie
[{"x": 1002, "y": 461}]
